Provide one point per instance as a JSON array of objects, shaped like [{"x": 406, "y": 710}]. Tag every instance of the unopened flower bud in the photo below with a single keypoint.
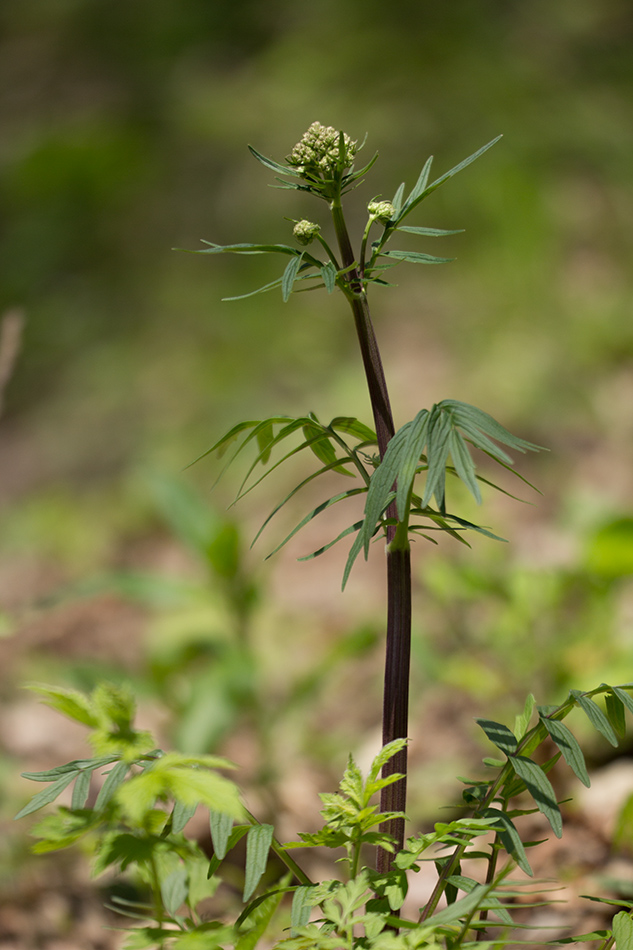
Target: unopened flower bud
[
  {"x": 305, "y": 231},
  {"x": 382, "y": 211},
  {"x": 318, "y": 150}
]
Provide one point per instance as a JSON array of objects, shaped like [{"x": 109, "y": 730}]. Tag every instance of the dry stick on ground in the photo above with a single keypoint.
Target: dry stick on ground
[{"x": 10, "y": 344}]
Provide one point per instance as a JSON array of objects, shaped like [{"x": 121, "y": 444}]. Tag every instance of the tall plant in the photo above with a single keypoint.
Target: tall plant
[
  {"x": 436, "y": 442},
  {"x": 138, "y": 817}
]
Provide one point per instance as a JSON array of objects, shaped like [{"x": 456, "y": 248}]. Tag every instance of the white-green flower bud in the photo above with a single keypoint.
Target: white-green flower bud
[
  {"x": 318, "y": 150},
  {"x": 305, "y": 231},
  {"x": 382, "y": 211}
]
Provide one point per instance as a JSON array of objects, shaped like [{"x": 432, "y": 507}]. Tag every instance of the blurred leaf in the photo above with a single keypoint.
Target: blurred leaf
[
  {"x": 174, "y": 890},
  {"x": 180, "y": 815},
  {"x": 221, "y": 826},
  {"x": 258, "y": 842},
  {"x": 46, "y": 796},
  {"x": 615, "y": 713},
  {"x": 114, "y": 779},
  {"x": 69, "y": 702},
  {"x": 609, "y": 550},
  {"x": 623, "y": 931},
  {"x": 81, "y": 790}
]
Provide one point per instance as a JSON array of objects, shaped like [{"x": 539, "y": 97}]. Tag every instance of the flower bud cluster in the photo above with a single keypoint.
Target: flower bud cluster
[
  {"x": 382, "y": 211},
  {"x": 318, "y": 150},
  {"x": 305, "y": 231}
]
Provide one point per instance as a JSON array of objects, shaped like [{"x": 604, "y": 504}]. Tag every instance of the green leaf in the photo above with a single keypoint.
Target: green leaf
[
  {"x": 429, "y": 232},
  {"x": 464, "y": 465},
  {"x": 457, "y": 168},
  {"x": 312, "y": 514},
  {"x": 221, "y": 825},
  {"x": 252, "y": 293},
  {"x": 301, "y": 907},
  {"x": 248, "y": 249},
  {"x": 174, "y": 890},
  {"x": 522, "y": 722},
  {"x": 351, "y": 426},
  {"x": 326, "y": 547},
  {"x": 69, "y": 702},
  {"x": 568, "y": 745},
  {"x": 329, "y": 274},
  {"x": 258, "y": 842},
  {"x": 396, "y": 201},
  {"x": 615, "y": 713},
  {"x": 623, "y": 931},
  {"x": 624, "y": 697},
  {"x": 289, "y": 276},
  {"x": 509, "y": 837},
  {"x": 419, "y": 187},
  {"x": 318, "y": 439},
  {"x": 275, "y": 166},
  {"x": 499, "y": 735},
  {"x": 595, "y": 716},
  {"x": 540, "y": 789},
  {"x": 81, "y": 790},
  {"x": 438, "y": 447},
  {"x": 47, "y": 796},
  {"x": 416, "y": 257},
  {"x": 413, "y": 447},
  {"x": 114, "y": 779},
  {"x": 236, "y": 835},
  {"x": 76, "y": 765},
  {"x": 180, "y": 815},
  {"x": 258, "y": 917}
]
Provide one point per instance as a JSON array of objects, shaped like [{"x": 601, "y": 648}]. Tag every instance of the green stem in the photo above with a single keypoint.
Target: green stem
[{"x": 398, "y": 644}]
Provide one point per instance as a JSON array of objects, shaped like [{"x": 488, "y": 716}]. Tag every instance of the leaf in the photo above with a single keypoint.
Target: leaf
[
  {"x": 351, "y": 426},
  {"x": 326, "y": 547},
  {"x": 114, "y": 779},
  {"x": 253, "y": 293},
  {"x": 180, "y": 815},
  {"x": 540, "y": 789},
  {"x": 76, "y": 765},
  {"x": 329, "y": 274},
  {"x": 258, "y": 842},
  {"x": 509, "y": 837},
  {"x": 81, "y": 790},
  {"x": 429, "y": 232},
  {"x": 385, "y": 755},
  {"x": 438, "y": 447},
  {"x": 396, "y": 201},
  {"x": 301, "y": 907},
  {"x": 568, "y": 745},
  {"x": 522, "y": 722},
  {"x": 69, "y": 702},
  {"x": 174, "y": 890},
  {"x": 624, "y": 697},
  {"x": 416, "y": 257},
  {"x": 289, "y": 276},
  {"x": 221, "y": 825},
  {"x": 615, "y": 713},
  {"x": 595, "y": 716},
  {"x": 258, "y": 917},
  {"x": 463, "y": 463},
  {"x": 248, "y": 249},
  {"x": 318, "y": 439},
  {"x": 457, "y": 168},
  {"x": 419, "y": 187},
  {"x": 413, "y": 447},
  {"x": 499, "y": 735},
  {"x": 275, "y": 166},
  {"x": 623, "y": 931},
  {"x": 47, "y": 796},
  {"x": 312, "y": 514}
]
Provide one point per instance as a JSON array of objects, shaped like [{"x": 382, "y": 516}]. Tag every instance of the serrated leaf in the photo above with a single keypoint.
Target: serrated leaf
[
  {"x": 47, "y": 795},
  {"x": 174, "y": 890},
  {"x": 595, "y": 716},
  {"x": 221, "y": 826},
  {"x": 499, "y": 735},
  {"x": 258, "y": 842},
  {"x": 540, "y": 789},
  {"x": 568, "y": 745},
  {"x": 289, "y": 276}
]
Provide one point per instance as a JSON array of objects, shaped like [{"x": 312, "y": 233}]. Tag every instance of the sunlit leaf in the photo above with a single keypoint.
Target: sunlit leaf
[
  {"x": 595, "y": 716},
  {"x": 499, "y": 735},
  {"x": 568, "y": 745},
  {"x": 540, "y": 789}
]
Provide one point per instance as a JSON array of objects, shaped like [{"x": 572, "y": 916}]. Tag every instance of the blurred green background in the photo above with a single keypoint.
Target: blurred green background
[{"x": 124, "y": 133}]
